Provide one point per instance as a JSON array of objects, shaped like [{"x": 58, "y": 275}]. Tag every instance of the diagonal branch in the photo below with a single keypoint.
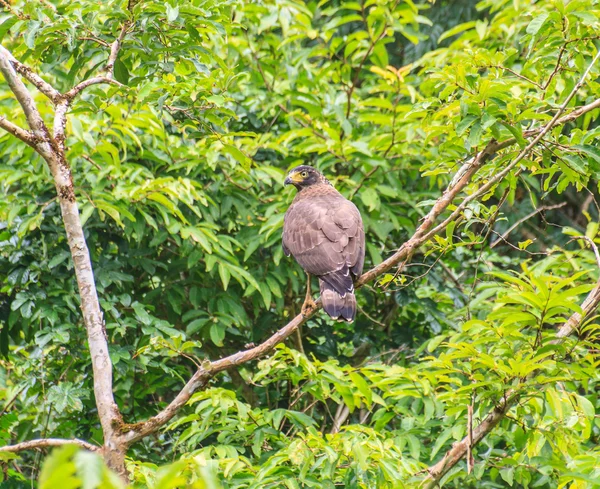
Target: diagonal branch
[
  {"x": 199, "y": 380},
  {"x": 460, "y": 449},
  {"x": 48, "y": 442},
  {"x": 42, "y": 85},
  {"x": 25, "y": 71},
  {"x": 481, "y": 191},
  {"x": 133, "y": 433}
]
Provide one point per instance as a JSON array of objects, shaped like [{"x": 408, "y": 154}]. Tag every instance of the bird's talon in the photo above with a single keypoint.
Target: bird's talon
[{"x": 308, "y": 307}]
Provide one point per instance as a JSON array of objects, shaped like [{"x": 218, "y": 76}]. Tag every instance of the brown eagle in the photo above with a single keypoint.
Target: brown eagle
[{"x": 324, "y": 232}]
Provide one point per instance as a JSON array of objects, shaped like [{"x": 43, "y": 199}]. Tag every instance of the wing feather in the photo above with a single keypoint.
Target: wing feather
[{"x": 325, "y": 234}]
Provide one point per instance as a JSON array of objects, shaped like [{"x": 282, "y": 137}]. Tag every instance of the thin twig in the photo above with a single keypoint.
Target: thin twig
[
  {"x": 526, "y": 218},
  {"x": 518, "y": 75},
  {"x": 470, "y": 459}
]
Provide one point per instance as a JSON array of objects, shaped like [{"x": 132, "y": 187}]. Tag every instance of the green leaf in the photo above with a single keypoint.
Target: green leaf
[
  {"x": 58, "y": 259},
  {"x": 6, "y": 22},
  {"x": 237, "y": 154},
  {"x": 536, "y": 24},
  {"x": 370, "y": 198},
  {"x": 121, "y": 72},
  {"x": 224, "y": 274},
  {"x": 508, "y": 475},
  {"x": 456, "y": 30},
  {"x": 172, "y": 13},
  {"x": 217, "y": 334}
]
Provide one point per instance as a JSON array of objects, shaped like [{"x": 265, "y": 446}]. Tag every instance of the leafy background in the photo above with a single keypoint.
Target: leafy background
[{"x": 179, "y": 175}]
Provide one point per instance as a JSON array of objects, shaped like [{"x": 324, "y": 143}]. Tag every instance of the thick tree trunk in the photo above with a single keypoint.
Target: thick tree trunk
[
  {"x": 51, "y": 148},
  {"x": 114, "y": 452},
  {"x": 108, "y": 412}
]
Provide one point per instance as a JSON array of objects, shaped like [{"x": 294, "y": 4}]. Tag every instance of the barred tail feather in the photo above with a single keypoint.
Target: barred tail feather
[{"x": 336, "y": 305}]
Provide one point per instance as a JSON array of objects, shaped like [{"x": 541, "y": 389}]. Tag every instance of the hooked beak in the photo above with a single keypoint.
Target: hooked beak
[{"x": 293, "y": 178}]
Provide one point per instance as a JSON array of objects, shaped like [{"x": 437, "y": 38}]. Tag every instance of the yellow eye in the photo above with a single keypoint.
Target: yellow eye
[{"x": 304, "y": 174}]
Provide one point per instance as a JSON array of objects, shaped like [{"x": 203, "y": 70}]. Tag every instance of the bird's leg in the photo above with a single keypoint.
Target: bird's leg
[{"x": 309, "y": 305}]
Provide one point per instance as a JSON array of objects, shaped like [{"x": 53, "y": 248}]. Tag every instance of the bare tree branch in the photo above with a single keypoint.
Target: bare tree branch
[
  {"x": 460, "y": 449},
  {"x": 575, "y": 114},
  {"x": 341, "y": 415},
  {"x": 590, "y": 241},
  {"x": 77, "y": 89},
  {"x": 48, "y": 442},
  {"x": 199, "y": 380},
  {"x": 62, "y": 108},
  {"x": 25, "y": 71},
  {"x": 42, "y": 85},
  {"x": 114, "y": 49},
  {"x": 22, "y": 134},
  {"x": 590, "y": 304}
]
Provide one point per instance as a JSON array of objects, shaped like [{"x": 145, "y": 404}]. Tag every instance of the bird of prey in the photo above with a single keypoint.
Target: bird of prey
[{"x": 324, "y": 232}]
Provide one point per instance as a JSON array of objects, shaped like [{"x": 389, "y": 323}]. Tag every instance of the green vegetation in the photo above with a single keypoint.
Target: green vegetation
[{"x": 467, "y": 135}]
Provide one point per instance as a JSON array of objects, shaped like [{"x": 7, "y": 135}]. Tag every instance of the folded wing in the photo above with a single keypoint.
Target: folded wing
[{"x": 325, "y": 235}]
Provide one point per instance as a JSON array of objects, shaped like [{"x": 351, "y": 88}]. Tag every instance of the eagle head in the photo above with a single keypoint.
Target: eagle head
[{"x": 304, "y": 176}]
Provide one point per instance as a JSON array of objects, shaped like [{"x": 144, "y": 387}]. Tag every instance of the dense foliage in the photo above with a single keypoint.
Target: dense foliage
[{"x": 178, "y": 174}]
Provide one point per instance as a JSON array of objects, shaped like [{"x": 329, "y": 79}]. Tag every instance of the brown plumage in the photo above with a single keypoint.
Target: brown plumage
[{"x": 324, "y": 232}]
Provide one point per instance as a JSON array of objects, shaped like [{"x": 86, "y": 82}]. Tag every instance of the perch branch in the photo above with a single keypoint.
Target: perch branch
[
  {"x": 202, "y": 375},
  {"x": 135, "y": 432}
]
